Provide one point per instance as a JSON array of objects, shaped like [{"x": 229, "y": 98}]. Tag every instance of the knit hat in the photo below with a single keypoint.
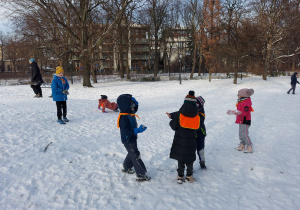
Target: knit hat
[
  {"x": 190, "y": 98},
  {"x": 31, "y": 60},
  {"x": 103, "y": 97},
  {"x": 200, "y": 100},
  {"x": 245, "y": 92},
  {"x": 59, "y": 70}
]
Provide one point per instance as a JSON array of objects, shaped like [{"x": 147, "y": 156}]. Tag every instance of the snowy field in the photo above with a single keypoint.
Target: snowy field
[{"x": 81, "y": 169}]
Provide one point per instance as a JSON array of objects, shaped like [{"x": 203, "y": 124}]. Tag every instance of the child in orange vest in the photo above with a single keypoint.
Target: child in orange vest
[
  {"x": 104, "y": 103},
  {"x": 185, "y": 123}
]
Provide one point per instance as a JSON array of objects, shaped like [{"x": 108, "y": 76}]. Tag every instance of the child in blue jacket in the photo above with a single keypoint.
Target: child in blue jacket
[
  {"x": 60, "y": 88},
  {"x": 128, "y": 106}
]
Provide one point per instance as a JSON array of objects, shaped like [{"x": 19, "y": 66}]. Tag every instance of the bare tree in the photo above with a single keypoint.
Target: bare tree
[
  {"x": 269, "y": 16},
  {"x": 193, "y": 20},
  {"x": 80, "y": 27},
  {"x": 156, "y": 11}
]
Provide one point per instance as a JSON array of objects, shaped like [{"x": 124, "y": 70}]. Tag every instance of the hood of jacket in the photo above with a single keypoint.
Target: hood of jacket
[
  {"x": 124, "y": 102},
  {"x": 188, "y": 110}
]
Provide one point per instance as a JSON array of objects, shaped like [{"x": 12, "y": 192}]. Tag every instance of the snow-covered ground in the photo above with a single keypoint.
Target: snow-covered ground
[{"x": 81, "y": 169}]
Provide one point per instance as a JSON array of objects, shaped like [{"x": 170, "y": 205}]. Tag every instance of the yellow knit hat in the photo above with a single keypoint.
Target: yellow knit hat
[{"x": 59, "y": 70}]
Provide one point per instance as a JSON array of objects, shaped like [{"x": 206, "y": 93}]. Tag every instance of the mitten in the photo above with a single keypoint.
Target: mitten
[
  {"x": 105, "y": 112},
  {"x": 65, "y": 92},
  {"x": 140, "y": 129},
  {"x": 99, "y": 108}
]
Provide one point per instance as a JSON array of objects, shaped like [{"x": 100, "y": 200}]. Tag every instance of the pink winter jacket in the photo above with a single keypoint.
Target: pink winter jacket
[
  {"x": 246, "y": 109},
  {"x": 107, "y": 104}
]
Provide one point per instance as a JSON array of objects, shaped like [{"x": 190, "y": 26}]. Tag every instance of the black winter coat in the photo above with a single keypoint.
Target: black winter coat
[
  {"x": 36, "y": 76},
  {"x": 294, "y": 80},
  {"x": 184, "y": 143}
]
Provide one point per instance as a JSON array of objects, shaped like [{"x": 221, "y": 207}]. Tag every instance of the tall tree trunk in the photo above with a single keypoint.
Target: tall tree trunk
[
  {"x": 194, "y": 61},
  {"x": 86, "y": 70},
  {"x": 200, "y": 61},
  {"x": 156, "y": 56}
]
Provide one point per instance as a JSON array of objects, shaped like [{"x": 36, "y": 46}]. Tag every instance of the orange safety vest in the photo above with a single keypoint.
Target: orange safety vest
[
  {"x": 118, "y": 123},
  {"x": 189, "y": 122}
]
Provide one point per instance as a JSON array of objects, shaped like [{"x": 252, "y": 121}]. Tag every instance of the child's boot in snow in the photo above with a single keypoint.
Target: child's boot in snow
[
  {"x": 241, "y": 147},
  {"x": 142, "y": 178},
  {"x": 249, "y": 149},
  {"x": 202, "y": 165},
  {"x": 190, "y": 179},
  {"x": 128, "y": 171},
  {"x": 180, "y": 179}
]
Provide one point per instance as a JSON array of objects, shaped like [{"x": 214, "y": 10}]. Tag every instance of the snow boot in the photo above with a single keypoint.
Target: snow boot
[
  {"x": 202, "y": 165},
  {"x": 65, "y": 119},
  {"x": 60, "y": 121},
  {"x": 249, "y": 149},
  {"x": 142, "y": 178},
  {"x": 36, "y": 96},
  {"x": 241, "y": 147},
  {"x": 128, "y": 171},
  {"x": 190, "y": 179},
  {"x": 180, "y": 179}
]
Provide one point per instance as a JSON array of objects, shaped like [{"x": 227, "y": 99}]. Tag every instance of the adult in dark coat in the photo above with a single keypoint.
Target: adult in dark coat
[
  {"x": 294, "y": 81},
  {"x": 36, "y": 78},
  {"x": 184, "y": 143}
]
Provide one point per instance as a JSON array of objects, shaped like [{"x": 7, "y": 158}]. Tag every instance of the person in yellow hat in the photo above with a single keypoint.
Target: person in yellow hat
[{"x": 60, "y": 91}]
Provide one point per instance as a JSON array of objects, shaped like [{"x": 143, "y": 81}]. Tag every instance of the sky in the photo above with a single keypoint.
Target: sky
[{"x": 5, "y": 22}]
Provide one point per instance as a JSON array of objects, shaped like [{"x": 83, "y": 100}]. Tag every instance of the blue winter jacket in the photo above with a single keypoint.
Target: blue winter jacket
[
  {"x": 58, "y": 85},
  {"x": 128, "y": 122}
]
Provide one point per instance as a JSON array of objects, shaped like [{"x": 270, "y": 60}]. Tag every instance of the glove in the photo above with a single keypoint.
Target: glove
[
  {"x": 65, "y": 92},
  {"x": 140, "y": 129},
  {"x": 104, "y": 112},
  {"x": 99, "y": 108}
]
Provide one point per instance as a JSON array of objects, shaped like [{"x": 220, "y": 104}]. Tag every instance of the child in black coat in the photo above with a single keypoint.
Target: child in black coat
[{"x": 185, "y": 123}]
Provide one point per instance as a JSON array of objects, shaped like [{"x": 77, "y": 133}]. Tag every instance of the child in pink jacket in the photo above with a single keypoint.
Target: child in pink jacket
[
  {"x": 104, "y": 103},
  {"x": 243, "y": 118}
]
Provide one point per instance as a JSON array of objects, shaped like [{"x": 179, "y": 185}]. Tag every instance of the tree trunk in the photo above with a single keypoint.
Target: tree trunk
[
  {"x": 94, "y": 75},
  {"x": 200, "y": 61},
  {"x": 194, "y": 62},
  {"x": 235, "y": 76},
  {"x": 86, "y": 70},
  {"x": 209, "y": 78},
  {"x": 294, "y": 63},
  {"x": 156, "y": 54}
]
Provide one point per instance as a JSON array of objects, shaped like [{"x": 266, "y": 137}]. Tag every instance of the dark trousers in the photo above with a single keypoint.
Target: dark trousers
[
  {"x": 200, "y": 145},
  {"x": 133, "y": 159},
  {"x": 61, "y": 105},
  {"x": 181, "y": 166},
  {"x": 293, "y": 88},
  {"x": 37, "y": 89}
]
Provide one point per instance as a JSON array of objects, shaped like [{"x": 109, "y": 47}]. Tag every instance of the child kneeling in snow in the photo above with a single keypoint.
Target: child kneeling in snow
[
  {"x": 243, "y": 118},
  {"x": 128, "y": 128},
  {"x": 185, "y": 123},
  {"x": 104, "y": 103}
]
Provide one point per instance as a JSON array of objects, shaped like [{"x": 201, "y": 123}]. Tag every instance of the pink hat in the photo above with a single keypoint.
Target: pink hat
[{"x": 245, "y": 92}]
